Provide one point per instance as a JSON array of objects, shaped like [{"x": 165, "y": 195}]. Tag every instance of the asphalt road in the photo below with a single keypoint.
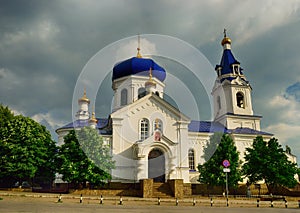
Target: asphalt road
[{"x": 45, "y": 205}]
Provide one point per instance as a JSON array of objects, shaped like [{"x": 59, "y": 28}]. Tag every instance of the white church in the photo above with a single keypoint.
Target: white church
[{"x": 150, "y": 138}]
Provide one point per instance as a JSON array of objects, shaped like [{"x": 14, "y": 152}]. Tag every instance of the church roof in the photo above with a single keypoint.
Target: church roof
[
  {"x": 101, "y": 123},
  {"x": 226, "y": 61},
  {"x": 248, "y": 131},
  {"x": 210, "y": 126},
  {"x": 194, "y": 126},
  {"x": 206, "y": 126},
  {"x": 138, "y": 66},
  {"x": 225, "y": 69}
]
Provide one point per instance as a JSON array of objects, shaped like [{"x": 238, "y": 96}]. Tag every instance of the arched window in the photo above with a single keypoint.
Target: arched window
[
  {"x": 219, "y": 69},
  {"x": 191, "y": 159},
  {"x": 144, "y": 129},
  {"x": 236, "y": 69},
  {"x": 141, "y": 92},
  {"x": 124, "y": 97},
  {"x": 157, "y": 124},
  {"x": 240, "y": 100},
  {"x": 219, "y": 102}
]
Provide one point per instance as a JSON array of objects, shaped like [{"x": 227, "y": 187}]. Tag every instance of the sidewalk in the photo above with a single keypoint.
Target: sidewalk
[{"x": 136, "y": 201}]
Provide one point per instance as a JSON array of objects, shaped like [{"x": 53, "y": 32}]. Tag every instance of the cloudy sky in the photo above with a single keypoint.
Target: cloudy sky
[{"x": 44, "y": 46}]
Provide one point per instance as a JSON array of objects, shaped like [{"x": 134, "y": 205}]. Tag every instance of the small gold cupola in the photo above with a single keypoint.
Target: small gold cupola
[
  {"x": 226, "y": 42},
  {"x": 150, "y": 85},
  {"x": 93, "y": 120},
  {"x": 84, "y": 97},
  {"x": 150, "y": 81}
]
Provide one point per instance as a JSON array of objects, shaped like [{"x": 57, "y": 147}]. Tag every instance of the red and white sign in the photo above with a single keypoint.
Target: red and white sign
[{"x": 226, "y": 163}]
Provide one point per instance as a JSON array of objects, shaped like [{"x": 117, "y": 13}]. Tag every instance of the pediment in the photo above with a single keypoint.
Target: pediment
[{"x": 147, "y": 105}]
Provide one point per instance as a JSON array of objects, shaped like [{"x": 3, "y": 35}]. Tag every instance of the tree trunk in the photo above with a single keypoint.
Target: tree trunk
[{"x": 270, "y": 188}]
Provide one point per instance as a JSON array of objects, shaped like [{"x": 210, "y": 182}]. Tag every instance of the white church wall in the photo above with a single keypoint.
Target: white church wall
[
  {"x": 132, "y": 84},
  {"x": 197, "y": 142},
  {"x": 246, "y": 109},
  {"x": 126, "y": 134}
]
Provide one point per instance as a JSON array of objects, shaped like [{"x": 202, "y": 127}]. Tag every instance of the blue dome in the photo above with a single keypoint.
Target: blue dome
[{"x": 138, "y": 66}]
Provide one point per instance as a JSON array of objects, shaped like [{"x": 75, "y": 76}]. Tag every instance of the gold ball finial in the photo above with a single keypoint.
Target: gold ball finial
[
  {"x": 226, "y": 40},
  {"x": 84, "y": 97}
]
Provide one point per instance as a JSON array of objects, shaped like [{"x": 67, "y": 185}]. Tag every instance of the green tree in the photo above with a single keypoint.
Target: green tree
[
  {"x": 211, "y": 172},
  {"x": 84, "y": 157},
  {"x": 5, "y": 116},
  {"x": 27, "y": 150},
  {"x": 212, "y": 145},
  {"x": 268, "y": 161}
]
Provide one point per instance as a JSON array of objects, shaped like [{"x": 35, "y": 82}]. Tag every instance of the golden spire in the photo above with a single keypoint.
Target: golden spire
[
  {"x": 84, "y": 97},
  {"x": 138, "y": 48},
  {"x": 150, "y": 81},
  {"x": 93, "y": 118},
  {"x": 226, "y": 40}
]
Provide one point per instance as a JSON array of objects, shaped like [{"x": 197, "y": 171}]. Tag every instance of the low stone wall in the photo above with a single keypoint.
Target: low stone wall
[
  {"x": 187, "y": 189},
  {"x": 177, "y": 187},
  {"x": 108, "y": 192},
  {"x": 146, "y": 188},
  {"x": 112, "y": 189},
  {"x": 242, "y": 189}
]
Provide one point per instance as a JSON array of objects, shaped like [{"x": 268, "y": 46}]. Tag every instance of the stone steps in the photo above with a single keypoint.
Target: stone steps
[{"x": 161, "y": 190}]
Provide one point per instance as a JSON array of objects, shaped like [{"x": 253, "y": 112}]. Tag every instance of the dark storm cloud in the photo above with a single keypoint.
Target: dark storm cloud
[{"x": 44, "y": 45}]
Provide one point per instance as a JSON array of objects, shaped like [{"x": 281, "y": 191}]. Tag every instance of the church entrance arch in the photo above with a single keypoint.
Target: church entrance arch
[{"x": 156, "y": 165}]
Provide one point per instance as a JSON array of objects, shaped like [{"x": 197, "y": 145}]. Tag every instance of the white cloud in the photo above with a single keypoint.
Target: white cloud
[
  {"x": 286, "y": 108},
  {"x": 130, "y": 48},
  {"x": 47, "y": 117},
  {"x": 284, "y": 131},
  {"x": 279, "y": 101},
  {"x": 263, "y": 16},
  {"x": 249, "y": 19},
  {"x": 17, "y": 112},
  {"x": 43, "y": 30},
  {"x": 286, "y": 134},
  {"x": 286, "y": 125}
]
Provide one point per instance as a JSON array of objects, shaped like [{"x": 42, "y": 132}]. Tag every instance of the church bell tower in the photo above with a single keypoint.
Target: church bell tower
[{"x": 232, "y": 93}]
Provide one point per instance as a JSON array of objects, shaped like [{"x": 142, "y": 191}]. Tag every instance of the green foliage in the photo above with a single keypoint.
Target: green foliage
[
  {"x": 211, "y": 172},
  {"x": 268, "y": 161},
  {"x": 26, "y": 148},
  {"x": 5, "y": 116},
  {"x": 212, "y": 145},
  {"x": 84, "y": 157}
]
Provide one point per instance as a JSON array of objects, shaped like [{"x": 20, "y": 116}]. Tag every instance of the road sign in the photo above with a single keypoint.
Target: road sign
[
  {"x": 226, "y": 163},
  {"x": 226, "y": 170}
]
